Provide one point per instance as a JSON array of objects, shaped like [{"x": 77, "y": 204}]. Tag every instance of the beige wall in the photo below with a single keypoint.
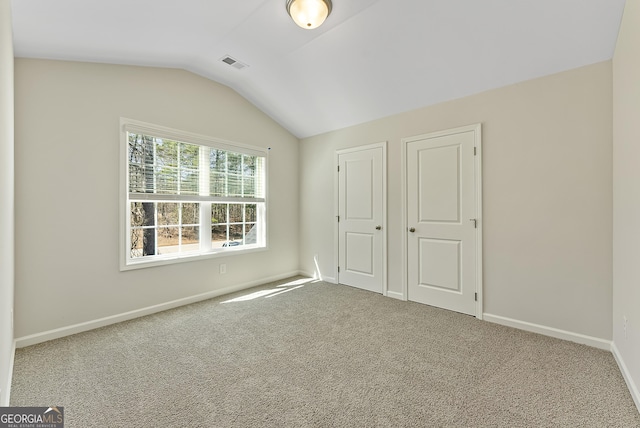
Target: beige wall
[
  {"x": 626, "y": 194},
  {"x": 6, "y": 200},
  {"x": 547, "y": 195},
  {"x": 67, "y": 178}
]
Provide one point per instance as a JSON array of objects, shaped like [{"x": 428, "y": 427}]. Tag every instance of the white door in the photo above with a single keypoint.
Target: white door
[
  {"x": 361, "y": 228},
  {"x": 442, "y": 206}
]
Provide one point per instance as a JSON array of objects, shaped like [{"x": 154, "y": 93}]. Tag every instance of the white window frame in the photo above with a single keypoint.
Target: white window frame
[{"x": 126, "y": 262}]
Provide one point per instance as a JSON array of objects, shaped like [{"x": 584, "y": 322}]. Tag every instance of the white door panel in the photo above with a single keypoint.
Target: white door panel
[
  {"x": 359, "y": 188},
  {"x": 359, "y": 253},
  {"x": 441, "y": 208},
  {"x": 439, "y": 264},
  {"x": 360, "y": 228},
  {"x": 438, "y": 184}
]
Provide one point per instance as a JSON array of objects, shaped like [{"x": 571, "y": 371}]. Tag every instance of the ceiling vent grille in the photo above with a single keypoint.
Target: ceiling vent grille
[{"x": 227, "y": 59}]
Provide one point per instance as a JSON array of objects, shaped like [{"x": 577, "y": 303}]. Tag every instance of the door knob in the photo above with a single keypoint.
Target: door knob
[
  {"x": 413, "y": 229},
  {"x": 378, "y": 227}
]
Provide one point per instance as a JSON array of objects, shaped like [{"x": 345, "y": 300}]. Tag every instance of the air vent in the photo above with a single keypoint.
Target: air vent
[{"x": 233, "y": 62}]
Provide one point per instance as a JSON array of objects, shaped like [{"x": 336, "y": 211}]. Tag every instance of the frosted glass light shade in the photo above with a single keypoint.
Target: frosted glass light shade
[{"x": 309, "y": 14}]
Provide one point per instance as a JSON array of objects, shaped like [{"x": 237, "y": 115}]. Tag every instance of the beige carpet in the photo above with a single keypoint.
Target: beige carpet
[{"x": 312, "y": 354}]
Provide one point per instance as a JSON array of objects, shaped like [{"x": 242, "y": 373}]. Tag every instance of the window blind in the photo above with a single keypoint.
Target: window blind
[{"x": 167, "y": 169}]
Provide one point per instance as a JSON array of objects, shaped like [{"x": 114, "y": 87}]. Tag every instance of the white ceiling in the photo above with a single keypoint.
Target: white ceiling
[{"x": 370, "y": 59}]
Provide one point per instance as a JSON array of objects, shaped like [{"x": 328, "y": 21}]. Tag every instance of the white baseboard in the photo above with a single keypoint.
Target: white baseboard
[
  {"x": 57, "y": 333},
  {"x": 633, "y": 388},
  {"x": 395, "y": 295},
  {"x": 313, "y": 275},
  {"x": 550, "y": 331},
  {"x": 6, "y": 399}
]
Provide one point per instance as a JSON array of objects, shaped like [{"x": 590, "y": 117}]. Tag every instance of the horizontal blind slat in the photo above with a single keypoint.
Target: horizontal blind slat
[{"x": 155, "y": 197}]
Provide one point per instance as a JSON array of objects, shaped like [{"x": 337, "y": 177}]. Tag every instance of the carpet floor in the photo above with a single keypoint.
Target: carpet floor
[{"x": 300, "y": 353}]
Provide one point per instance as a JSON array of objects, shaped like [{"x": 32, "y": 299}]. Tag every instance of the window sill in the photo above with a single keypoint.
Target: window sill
[{"x": 184, "y": 258}]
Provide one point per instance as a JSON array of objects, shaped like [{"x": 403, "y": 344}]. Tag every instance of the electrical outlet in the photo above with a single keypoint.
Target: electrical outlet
[
  {"x": 223, "y": 268},
  {"x": 624, "y": 326}
]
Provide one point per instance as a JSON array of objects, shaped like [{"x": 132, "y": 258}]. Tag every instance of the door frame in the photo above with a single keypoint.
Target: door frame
[
  {"x": 336, "y": 208},
  {"x": 477, "y": 130}
]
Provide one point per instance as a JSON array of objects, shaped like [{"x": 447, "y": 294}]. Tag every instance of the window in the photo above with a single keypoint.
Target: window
[{"x": 189, "y": 196}]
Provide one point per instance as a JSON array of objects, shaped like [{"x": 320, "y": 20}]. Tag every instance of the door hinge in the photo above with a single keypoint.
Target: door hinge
[
  {"x": 476, "y": 297},
  {"x": 338, "y": 168},
  {"x": 338, "y": 269},
  {"x": 338, "y": 218},
  {"x": 475, "y": 151}
]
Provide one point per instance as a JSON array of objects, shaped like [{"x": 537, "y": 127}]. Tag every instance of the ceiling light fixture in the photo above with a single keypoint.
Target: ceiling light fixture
[{"x": 309, "y": 14}]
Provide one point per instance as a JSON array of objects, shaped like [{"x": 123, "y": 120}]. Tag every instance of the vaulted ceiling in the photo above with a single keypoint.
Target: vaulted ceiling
[{"x": 370, "y": 59}]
